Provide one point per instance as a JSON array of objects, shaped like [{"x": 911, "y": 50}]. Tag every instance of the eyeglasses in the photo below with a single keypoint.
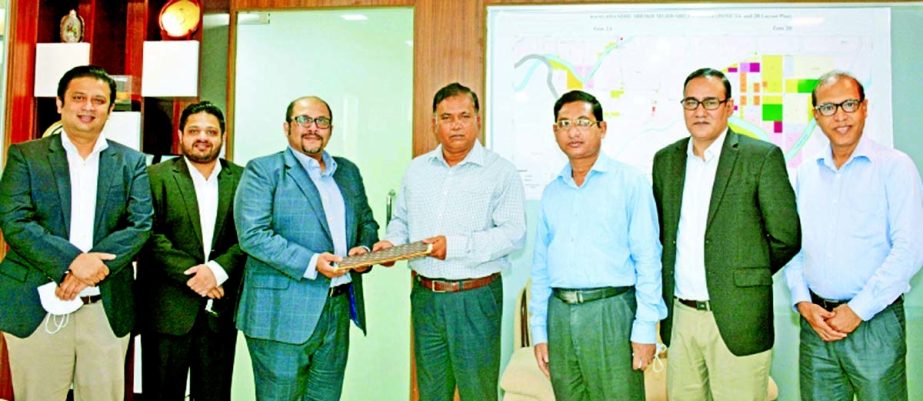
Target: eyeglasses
[
  {"x": 709, "y": 103},
  {"x": 829, "y": 109},
  {"x": 580, "y": 123},
  {"x": 305, "y": 121}
]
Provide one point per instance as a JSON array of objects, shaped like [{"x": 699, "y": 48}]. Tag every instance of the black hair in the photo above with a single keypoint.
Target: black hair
[
  {"x": 579, "y": 96},
  {"x": 455, "y": 89},
  {"x": 710, "y": 73},
  {"x": 84, "y": 71},
  {"x": 828, "y": 79},
  {"x": 203, "y": 106}
]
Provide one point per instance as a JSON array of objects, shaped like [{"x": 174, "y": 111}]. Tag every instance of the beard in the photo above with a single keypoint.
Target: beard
[{"x": 199, "y": 157}]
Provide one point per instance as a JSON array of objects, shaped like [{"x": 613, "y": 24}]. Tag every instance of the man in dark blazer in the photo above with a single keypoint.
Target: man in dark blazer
[
  {"x": 298, "y": 212},
  {"x": 728, "y": 222},
  {"x": 189, "y": 272},
  {"x": 75, "y": 209}
]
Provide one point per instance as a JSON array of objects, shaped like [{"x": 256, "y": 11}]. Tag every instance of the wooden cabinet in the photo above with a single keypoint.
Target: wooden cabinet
[{"x": 116, "y": 31}]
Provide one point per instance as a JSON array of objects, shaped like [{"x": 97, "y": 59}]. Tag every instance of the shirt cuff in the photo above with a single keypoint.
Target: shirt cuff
[
  {"x": 864, "y": 307},
  {"x": 220, "y": 275},
  {"x": 644, "y": 332},
  {"x": 456, "y": 246},
  {"x": 800, "y": 294},
  {"x": 539, "y": 335},
  {"x": 311, "y": 272}
]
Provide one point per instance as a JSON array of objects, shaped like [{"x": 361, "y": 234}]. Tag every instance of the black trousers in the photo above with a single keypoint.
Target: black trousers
[{"x": 205, "y": 353}]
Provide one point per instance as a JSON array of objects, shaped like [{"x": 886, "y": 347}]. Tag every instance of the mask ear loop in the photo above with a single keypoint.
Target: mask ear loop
[
  {"x": 657, "y": 364},
  {"x": 58, "y": 324}
]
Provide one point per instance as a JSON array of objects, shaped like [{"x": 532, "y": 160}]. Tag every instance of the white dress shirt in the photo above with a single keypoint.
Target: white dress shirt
[
  {"x": 206, "y": 193},
  {"x": 83, "y": 177},
  {"x": 693, "y": 218}
]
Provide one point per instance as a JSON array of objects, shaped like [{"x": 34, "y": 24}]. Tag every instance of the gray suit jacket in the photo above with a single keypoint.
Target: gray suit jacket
[
  {"x": 35, "y": 206},
  {"x": 281, "y": 225},
  {"x": 751, "y": 232}
]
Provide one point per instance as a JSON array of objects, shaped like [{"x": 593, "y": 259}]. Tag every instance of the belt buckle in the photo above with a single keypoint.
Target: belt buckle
[
  {"x": 702, "y": 305},
  {"x": 579, "y": 296},
  {"x": 432, "y": 287}
]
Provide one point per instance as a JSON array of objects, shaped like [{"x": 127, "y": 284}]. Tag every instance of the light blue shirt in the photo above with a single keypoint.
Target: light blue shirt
[
  {"x": 334, "y": 208},
  {"x": 862, "y": 227},
  {"x": 601, "y": 234},
  {"x": 477, "y": 204}
]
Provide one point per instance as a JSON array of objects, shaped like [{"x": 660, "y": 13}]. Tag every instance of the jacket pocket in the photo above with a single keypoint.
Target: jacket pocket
[
  {"x": 752, "y": 277},
  {"x": 14, "y": 271},
  {"x": 273, "y": 281}
]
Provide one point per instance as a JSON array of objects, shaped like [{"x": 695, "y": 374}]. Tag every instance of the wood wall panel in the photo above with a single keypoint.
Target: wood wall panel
[{"x": 20, "y": 112}]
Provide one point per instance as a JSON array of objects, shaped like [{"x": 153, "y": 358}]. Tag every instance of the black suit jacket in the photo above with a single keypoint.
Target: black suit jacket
[
  {"x": 35, "y": 207},
  {"x": 751, "y": 232},
  {"x": 167, "y": 304}
]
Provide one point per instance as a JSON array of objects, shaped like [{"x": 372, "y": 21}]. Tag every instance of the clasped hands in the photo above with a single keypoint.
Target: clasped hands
[
  {"x": 86, "y": 270},
  {"x": 830, "y": 325}
]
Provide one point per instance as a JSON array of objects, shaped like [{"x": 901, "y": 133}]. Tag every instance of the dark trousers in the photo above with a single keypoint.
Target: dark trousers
[
  {"x": 206, "y": 354},
  {"x": 457, "y": 342},
  {"x": 870, "y": 363},
  {"x": 589, "y": 347},
  {"x": 309, "y": 371}
]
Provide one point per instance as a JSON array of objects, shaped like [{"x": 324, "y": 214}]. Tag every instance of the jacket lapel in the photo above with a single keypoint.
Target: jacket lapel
[
  {"x": 726, "y": 162},
  {"x": 676, "y": 179},
  {"x": 348, "y": 198},
  {"x": 226, "y": 180},
  {"x": 303, "y": 181},
  {"x": 187, "y": 192},
  {"x": 57, "y": 158},
  {"x": 108, "y": 167}
]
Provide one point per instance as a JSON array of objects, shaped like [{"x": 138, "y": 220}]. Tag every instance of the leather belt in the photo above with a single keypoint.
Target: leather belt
[
  {"x": 91, "y": 299},
  {"x": 697, "y": 305},
  {"x": 436, "y": 285},
  {"x": 579, "y": 296},
  {"x": 830, "y": 304},
  {"x": 338, "y": 290}
]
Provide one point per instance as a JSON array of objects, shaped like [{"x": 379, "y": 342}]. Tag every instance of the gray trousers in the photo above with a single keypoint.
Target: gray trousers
[
  {"x": 870, "y": 363},
  {"x": 456, "y": 341},
  {"x": 589, "y": 347}
]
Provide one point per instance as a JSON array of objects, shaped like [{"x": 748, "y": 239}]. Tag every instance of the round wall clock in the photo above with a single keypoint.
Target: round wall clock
[{"x": 179, "y": 19}]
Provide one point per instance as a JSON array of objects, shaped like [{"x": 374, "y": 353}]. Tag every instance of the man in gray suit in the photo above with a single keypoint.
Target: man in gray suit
[
  {"x": 75, "y": 208},
  {"x": 298, "y": 212},
  {"x": 728, "y": 222}
]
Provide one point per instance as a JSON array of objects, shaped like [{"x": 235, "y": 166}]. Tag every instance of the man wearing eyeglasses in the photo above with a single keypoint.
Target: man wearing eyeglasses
[
  {"x": 468, "y": 203},
  {"x": 298, "y": 212},
  {"x": 596, "y": 285},
  {"x": 728, "y": 222},
  {"x": 862, "y": 211}
]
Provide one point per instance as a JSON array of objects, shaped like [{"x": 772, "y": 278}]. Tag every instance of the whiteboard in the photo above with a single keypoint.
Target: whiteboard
[{"x": 634, "y": 59}]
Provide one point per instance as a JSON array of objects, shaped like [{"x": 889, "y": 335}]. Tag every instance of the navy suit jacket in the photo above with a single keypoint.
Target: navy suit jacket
[
  {"x": 35, "y": 207},
  {"x": 281, "y": 225},
  {"x": 751, "y": 232},
  {"x": 168, "y": 305}
]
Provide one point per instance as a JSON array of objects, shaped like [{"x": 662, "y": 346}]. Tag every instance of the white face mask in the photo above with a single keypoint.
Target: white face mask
[{"x": 55, "y": 305}]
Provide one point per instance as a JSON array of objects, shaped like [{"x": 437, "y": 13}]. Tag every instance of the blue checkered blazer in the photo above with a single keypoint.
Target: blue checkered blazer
[{"x": 281, "y": 225}]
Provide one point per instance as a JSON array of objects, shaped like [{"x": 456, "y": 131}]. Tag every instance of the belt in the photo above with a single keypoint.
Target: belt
[
  {"x": 338, "y": 290},
  {"x": 579, "y": 296},
  {"x": 697, "y": 305},
  {"x": 91, "y": 299},
  {"x": 436, "y": 285},
  {"x": 830, "y": 304}
]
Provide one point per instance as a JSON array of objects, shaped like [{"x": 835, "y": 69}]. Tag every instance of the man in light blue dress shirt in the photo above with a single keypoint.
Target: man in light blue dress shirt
[
  {"x": 861, "y": 212},
  {"x": 596, "y": 273},
  {"x": 468, "y": 202}
]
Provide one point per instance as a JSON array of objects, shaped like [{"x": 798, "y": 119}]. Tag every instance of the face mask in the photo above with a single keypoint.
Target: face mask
[{"x": 55, "y": 305}]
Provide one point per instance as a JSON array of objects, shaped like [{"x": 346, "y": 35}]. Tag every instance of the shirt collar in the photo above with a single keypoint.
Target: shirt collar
[
  {"x": 313, "y": 166},
  {"x": 71, "y": 149},
  {"x": 602, "y": 165},
  {"x": 195, "y": 171},
  {"x": 475, "y": 155},
  {"x": 864, "y": 150},
  {"x": 712, "y": 151}
]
